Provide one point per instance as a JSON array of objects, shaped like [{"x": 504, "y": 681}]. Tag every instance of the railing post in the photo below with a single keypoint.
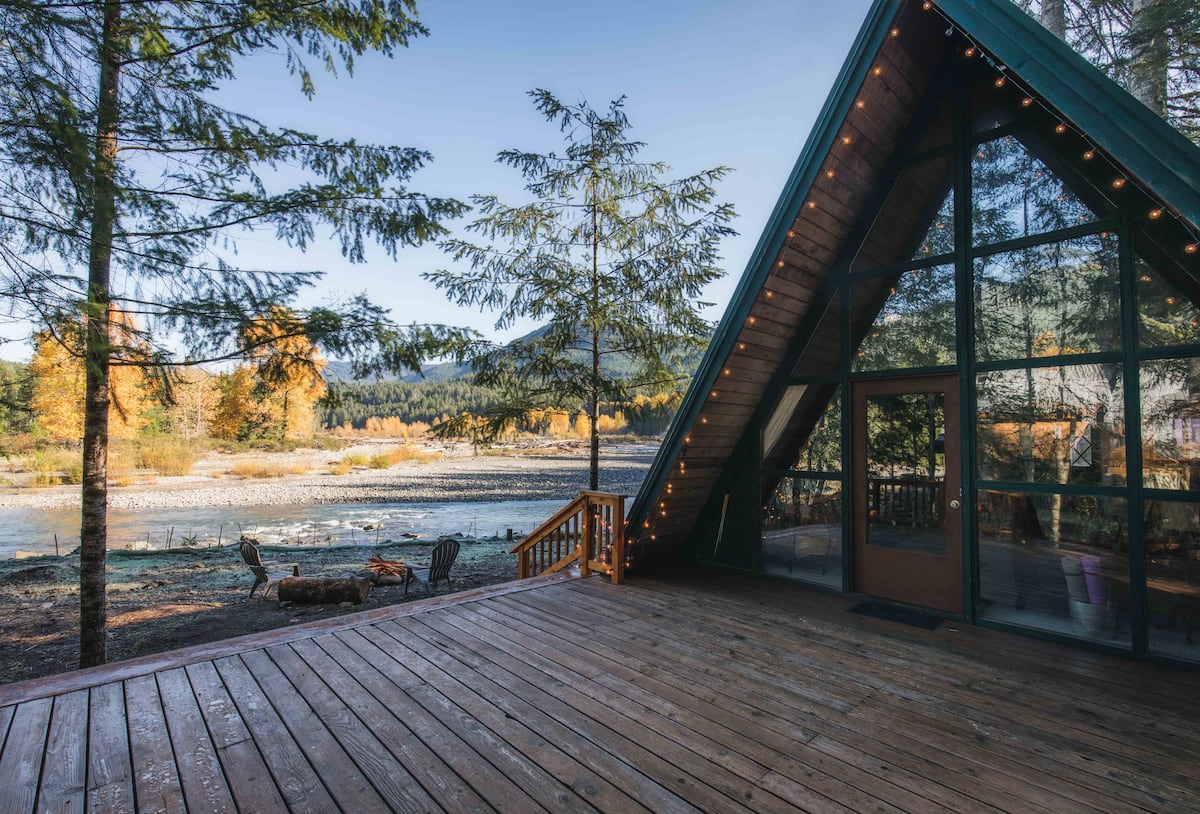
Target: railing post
[
  {"x": 618, "y": 538},
  {"x": 585, "y": 538}
]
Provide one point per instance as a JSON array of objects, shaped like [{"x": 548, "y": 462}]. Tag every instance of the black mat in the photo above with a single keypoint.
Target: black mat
[{"x": 903, "y": 616}]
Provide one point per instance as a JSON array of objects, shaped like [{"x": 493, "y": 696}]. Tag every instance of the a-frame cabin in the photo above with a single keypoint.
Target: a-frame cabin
[{"x": 962, "y": 369}]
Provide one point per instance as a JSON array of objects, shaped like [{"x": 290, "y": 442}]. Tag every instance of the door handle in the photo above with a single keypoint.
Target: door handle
[{"x": 955, "y": 504}]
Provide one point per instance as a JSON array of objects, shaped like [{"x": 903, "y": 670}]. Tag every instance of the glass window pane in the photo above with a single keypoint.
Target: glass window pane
[
  {"x": 802, "y": 529},
  {"x": 1172, "y": 535},
  {"x": 821, "y": 450},
  {"x": 1166, "y": 316},
  {"x": 915, "y": 327},
  {"x": 1054, "y": 299},
  {"x": 906, "y": 471},
  {"x": 1171, "y": 423},
  {"x": 1058, "y": 563},
  {"x": 1013, "y": 194},
  {"x": 940, "y": 237},
  {"x": 1052, "y": 425}
]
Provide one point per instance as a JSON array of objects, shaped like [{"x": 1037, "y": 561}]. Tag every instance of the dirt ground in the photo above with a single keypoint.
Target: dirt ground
[{"x": 164, "y": 601}]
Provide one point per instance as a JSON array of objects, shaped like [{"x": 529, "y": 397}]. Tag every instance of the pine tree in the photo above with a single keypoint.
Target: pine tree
[
  {"x": 124, "y": 182},
  {"x": 610, "y": 254}
]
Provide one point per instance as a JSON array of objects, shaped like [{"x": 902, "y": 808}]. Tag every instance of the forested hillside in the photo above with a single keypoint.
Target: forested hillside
[{"x": 427, "y": 401}]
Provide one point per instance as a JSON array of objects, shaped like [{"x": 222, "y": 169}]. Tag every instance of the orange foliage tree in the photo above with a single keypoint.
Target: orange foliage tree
[
  {"x": 58, "y": 381},
  {"x": 277, "y": 392}
]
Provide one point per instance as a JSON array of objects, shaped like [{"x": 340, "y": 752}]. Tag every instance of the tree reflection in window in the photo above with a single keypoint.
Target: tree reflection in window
[
  {"x": 916, "y": 325},
  {"x": 1016, "y": 195},
  {"x": 1053, "y": 299}
]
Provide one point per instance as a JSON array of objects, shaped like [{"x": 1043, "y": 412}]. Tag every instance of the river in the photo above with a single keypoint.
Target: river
[{"x": 34, "y": 530}]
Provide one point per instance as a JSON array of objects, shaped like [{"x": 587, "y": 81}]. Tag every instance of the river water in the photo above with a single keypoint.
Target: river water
[{"x": 34, "y": 530}]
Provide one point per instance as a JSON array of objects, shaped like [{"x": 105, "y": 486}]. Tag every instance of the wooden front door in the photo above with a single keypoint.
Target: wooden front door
[{"x": 907, "y": 491}]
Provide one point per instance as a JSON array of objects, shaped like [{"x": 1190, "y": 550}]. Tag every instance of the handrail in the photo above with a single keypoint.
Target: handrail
[{"x": 589, "y": 530}]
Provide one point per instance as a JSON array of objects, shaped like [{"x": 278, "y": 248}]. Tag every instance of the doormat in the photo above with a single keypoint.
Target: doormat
[{"x": 903, "y": 616}]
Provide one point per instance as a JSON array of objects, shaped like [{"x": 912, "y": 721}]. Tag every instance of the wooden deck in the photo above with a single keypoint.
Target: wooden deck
[{"x": 564, "y": 694}]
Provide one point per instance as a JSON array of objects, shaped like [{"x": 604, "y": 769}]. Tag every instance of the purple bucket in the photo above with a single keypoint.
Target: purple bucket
[{"x": 1097, "y": 588}]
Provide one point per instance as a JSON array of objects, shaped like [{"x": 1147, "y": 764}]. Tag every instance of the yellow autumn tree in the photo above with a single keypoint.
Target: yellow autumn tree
[
  {"x": 288, "y": 366},
  {"x": 58, "y": 380}
]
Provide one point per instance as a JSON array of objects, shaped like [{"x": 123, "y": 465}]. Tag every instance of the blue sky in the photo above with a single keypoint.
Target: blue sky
[{"x": 708, "y": 82}]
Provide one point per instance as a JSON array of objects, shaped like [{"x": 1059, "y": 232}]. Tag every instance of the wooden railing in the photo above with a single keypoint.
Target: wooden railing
[
  {"x": 906, "y": 501},
  {"x": 590, "y": 531}
]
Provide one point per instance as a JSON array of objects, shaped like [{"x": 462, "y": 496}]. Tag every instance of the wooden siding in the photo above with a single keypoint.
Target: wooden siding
[{"x": 560, "y": 694}]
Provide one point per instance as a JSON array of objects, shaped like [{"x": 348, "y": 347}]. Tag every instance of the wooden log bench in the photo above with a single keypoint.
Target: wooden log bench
[{"x": 324, "y": 590}]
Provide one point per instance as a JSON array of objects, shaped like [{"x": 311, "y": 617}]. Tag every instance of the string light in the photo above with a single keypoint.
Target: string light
[
  {"x": 895, "y": 32},
  {"x": 791, "y": 233},
  {"x": 741, "y": 345},
  {"x": 846, "y": 139},
  {"x": 812, "y": 204},
  {"x": 770, "y": 293},
  {"x": 860, "y": 104},
  {"x": 877, "y": 70},
  {"x": 1091, "y": 153}
]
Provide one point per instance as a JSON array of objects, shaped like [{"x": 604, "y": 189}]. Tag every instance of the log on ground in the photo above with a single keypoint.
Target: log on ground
[{"x": 323, "y": 590}]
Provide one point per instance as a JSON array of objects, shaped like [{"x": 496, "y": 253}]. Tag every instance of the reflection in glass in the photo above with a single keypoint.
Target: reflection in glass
[
  {"x": 906, "y": 471},
  {"x": 1016, "y": 195},
  {"x": 1048, "y": 300},
  {"x": 940, "y": 237},
  {"x": 1058, "y": 563},
  {"x": 1172, "y": 534},
  {"x": 822, "y": 450},
  {"x": 1166, "y": 316},
  {"x": 802, "y": 529},
  {"x": 1171, "y": 423},
  {"x": 915, "y": 325},
  {"x": 1052, "y": 424}
]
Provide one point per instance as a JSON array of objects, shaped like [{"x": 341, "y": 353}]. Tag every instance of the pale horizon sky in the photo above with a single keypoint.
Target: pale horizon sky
[{"x": 708, "y": 82}]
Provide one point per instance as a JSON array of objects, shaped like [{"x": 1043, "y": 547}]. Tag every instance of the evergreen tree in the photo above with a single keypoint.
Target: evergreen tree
[
  {"x": 610, "y": 254},
  {"x": 1150, "y": 47},
  {"x": 123, "y": 181}
]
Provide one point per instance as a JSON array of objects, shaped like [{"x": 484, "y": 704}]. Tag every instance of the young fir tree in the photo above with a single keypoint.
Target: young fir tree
[
  {"x": 124, "y": 182},
  {"x": 610, "y": 254}
]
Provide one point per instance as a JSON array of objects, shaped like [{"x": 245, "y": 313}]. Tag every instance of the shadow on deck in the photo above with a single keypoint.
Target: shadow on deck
[{"x": 567, "y": 694}]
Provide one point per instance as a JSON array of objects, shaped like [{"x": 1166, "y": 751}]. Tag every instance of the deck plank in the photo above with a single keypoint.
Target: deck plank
[
  {"x": 672, "y": 759},
  {"x": 63, "y": 784},
  {"x": 294, "y": 776},
  {"x": 205, "y": 787},
  {"x": 246, "y": 771},
  {"x": 156, "y": 777},
  {"x": 21, "y": 762},
  {"x": 390, "y": 778},
  {"x": 545, "y": 762},
  {"x": 110, "y": 771},
  {"x": 768, "y": 721},
  {"x": 701, "y": 691},
  {"x": 387, "y": 718}
]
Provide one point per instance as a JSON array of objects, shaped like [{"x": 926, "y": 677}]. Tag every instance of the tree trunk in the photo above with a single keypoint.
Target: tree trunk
[
  {"x": 1054, "y": 18},
  {"x": 1149, "y": 56},
  {"x": 93, "y": 530},
  {"x": 594, "y": 406}
]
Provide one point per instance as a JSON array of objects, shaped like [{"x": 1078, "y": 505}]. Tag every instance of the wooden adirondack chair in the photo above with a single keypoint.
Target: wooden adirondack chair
[
  {"x": 253, "y": 559},
  {"x": 444, "y": 555}
]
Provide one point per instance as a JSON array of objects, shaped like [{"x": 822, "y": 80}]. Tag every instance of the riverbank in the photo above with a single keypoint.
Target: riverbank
[{"x": 161, "y": 601}]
